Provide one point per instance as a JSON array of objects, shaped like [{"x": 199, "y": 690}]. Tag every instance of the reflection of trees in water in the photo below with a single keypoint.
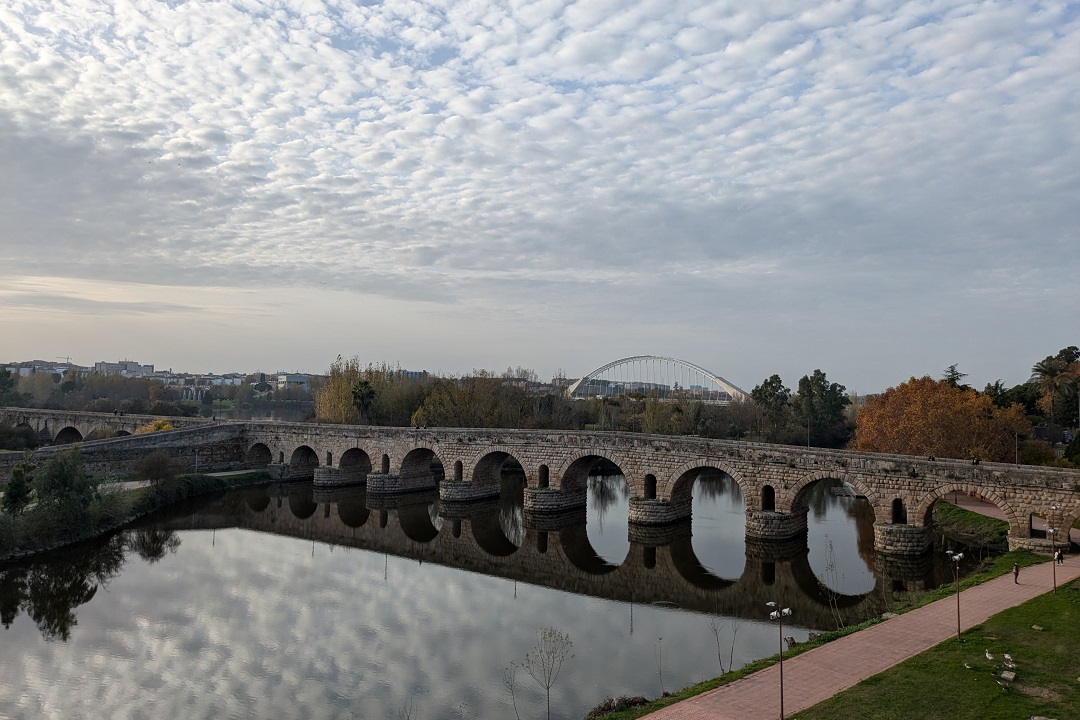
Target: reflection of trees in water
[
  {"x": 152, "y": 544},
  {"x": 512, "y": 505},
  {"x": 716, "y": 485},
  {"x": 605, "y": 492},
  {"x": 49, "y": 589}
]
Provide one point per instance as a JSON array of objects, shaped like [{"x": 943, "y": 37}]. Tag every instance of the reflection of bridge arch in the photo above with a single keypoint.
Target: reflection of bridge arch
[
  {"x": 667, "y": 573},
  {"x": 301, "y": 504},
  {"x": 416, "y": 522},
  {"x": 664, "y": 377},
  {"x": 692, "y": 569},
  {"x": 580, "y": 552},
  {"x": 489, "y": 535},
  {"x": 353, "y": 510}
]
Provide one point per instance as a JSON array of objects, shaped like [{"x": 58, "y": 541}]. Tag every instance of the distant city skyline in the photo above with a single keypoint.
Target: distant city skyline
[{"x": 877, "y": 189}]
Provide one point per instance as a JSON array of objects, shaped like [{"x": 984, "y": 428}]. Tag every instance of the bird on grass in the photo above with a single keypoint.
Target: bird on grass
[
  {"x": 967, "y": 665},
  {"x": 1008, "y": 657},
  {"x": 989, "y": 656}
]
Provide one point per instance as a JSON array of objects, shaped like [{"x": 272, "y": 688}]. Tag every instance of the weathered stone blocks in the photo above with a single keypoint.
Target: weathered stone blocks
[
  {"x": 775, "y": 525},
  {"x": 895, "y": 539}
]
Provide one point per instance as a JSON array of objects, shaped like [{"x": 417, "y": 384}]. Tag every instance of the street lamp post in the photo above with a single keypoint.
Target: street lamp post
[
  {"x": 956, "y": 558},
  {"x": 779, "y": 614},
  {"x": 1052, "y": 532}
]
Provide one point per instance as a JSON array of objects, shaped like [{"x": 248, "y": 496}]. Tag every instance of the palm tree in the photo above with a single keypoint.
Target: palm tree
[
  {"x": 362, "y": 395},
  {"x": 1052, "y": 377}
]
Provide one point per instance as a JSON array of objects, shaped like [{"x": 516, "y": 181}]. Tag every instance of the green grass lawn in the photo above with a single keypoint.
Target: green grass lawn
[{"x": 937, "y": 684}]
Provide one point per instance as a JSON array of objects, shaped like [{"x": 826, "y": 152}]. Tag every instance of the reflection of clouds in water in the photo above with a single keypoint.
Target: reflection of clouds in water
[
  {"x": 249, "y": 624},
  {"x": 253, "y": 626}
]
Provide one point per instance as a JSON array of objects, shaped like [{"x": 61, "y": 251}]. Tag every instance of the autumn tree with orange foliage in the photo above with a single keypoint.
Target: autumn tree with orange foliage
[{"x": 930, "y": 417}]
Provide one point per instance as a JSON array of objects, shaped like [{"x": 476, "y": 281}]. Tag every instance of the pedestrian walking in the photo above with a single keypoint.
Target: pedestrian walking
[
  {"x": 1016, "y": 573},
  {"x": 1060, "y": 557}
]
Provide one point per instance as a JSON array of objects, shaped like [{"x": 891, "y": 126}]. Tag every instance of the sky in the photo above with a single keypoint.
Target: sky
[{"x": 877, "y": 189}]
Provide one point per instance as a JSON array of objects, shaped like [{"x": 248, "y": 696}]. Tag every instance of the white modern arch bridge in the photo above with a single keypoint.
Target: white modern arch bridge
[{"x": 666, "y": 378}]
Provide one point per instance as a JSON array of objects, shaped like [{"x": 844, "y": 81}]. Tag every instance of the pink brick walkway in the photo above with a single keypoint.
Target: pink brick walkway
[{"x": 824, "y": 671}]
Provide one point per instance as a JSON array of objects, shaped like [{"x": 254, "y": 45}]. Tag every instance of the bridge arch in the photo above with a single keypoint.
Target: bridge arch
[
  {"x": 923, "y": 513},
  {"x": 303, "y": 462},
  {"x": 668, "y": 377},
  {"x": 488, "y": 463},
  {"x": 355, "y": 464},
  {"x": 574, "y": 472},
  {"x": 67, "y": 436},
  {"x": 421, "y": 468},
  {"x": 683, "y": 475},
  {"x": 800, "y": 491},
  {"x": 258, "y": 455}
]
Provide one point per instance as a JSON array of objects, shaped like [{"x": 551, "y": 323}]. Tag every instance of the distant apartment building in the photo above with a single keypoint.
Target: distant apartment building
[
  {"x": 125, "y": 368},
  {"x": 297, "y": 381}
]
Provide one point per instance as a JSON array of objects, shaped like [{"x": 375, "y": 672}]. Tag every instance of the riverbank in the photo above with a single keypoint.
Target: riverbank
[
  {"x": 1020, "y": 663},
  {"x": 663, "y": 707},
  {"x": 29, "y": 533},
  {"x": 972, "y": 522}
]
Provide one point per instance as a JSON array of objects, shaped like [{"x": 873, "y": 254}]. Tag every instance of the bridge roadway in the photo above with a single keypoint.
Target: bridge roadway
[
  {"x": 561, "y": 557},
  {"x": 464, "y": 465}
]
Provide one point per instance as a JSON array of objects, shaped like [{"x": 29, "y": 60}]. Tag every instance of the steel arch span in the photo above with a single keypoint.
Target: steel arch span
[{"x": 664, "y": 377}]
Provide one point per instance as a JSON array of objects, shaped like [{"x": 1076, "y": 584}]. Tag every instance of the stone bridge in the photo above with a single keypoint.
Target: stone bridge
[
  {"x": 560, "y": 557},
  {"x": 464, "y": 465},
  {"x": 61, "y": 427}
]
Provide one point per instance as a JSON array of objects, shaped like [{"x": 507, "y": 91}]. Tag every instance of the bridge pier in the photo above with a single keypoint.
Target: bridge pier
[
  {"x": 767, "y": 525},
  {"x": 553, "y": 501},
  {"x": 899, "y": 539},
  {"x": 905, "y": 572},
  {"x": 652, "y": 511},
  {"x": 327, "y": 476},
  {"x": 457, "y": 491},
  {"x": 653, "y": 536},
  {"x": 392, "y": 484},
  {"x": 278, "y": 471}
]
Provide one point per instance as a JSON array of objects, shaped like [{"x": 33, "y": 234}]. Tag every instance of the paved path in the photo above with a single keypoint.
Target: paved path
[{"x": 824, "y": 671}]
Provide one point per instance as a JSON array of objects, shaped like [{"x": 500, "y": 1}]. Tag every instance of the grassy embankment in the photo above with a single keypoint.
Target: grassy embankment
[
  {"x": 955, "y": 680},
  {"x": 954, "y": 523},
  {"x": 39, "y": 529}
]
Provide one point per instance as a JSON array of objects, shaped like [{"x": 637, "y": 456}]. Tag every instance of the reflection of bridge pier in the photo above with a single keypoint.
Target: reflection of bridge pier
[{"x": 551, "y": 550}]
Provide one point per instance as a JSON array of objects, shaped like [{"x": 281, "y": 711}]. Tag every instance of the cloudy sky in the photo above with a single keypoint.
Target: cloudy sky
[{"x": 878, "y": 189}]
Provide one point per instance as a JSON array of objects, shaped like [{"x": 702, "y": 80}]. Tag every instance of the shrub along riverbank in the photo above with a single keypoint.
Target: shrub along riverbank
[{"x": 60, "y": 503}]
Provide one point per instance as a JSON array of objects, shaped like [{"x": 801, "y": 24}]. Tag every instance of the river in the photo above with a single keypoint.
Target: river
[{"x": 289, "y": 602}]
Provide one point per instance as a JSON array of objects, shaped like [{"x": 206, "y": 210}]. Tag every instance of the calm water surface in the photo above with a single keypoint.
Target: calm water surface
[{"x": 280, "y": 602}]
